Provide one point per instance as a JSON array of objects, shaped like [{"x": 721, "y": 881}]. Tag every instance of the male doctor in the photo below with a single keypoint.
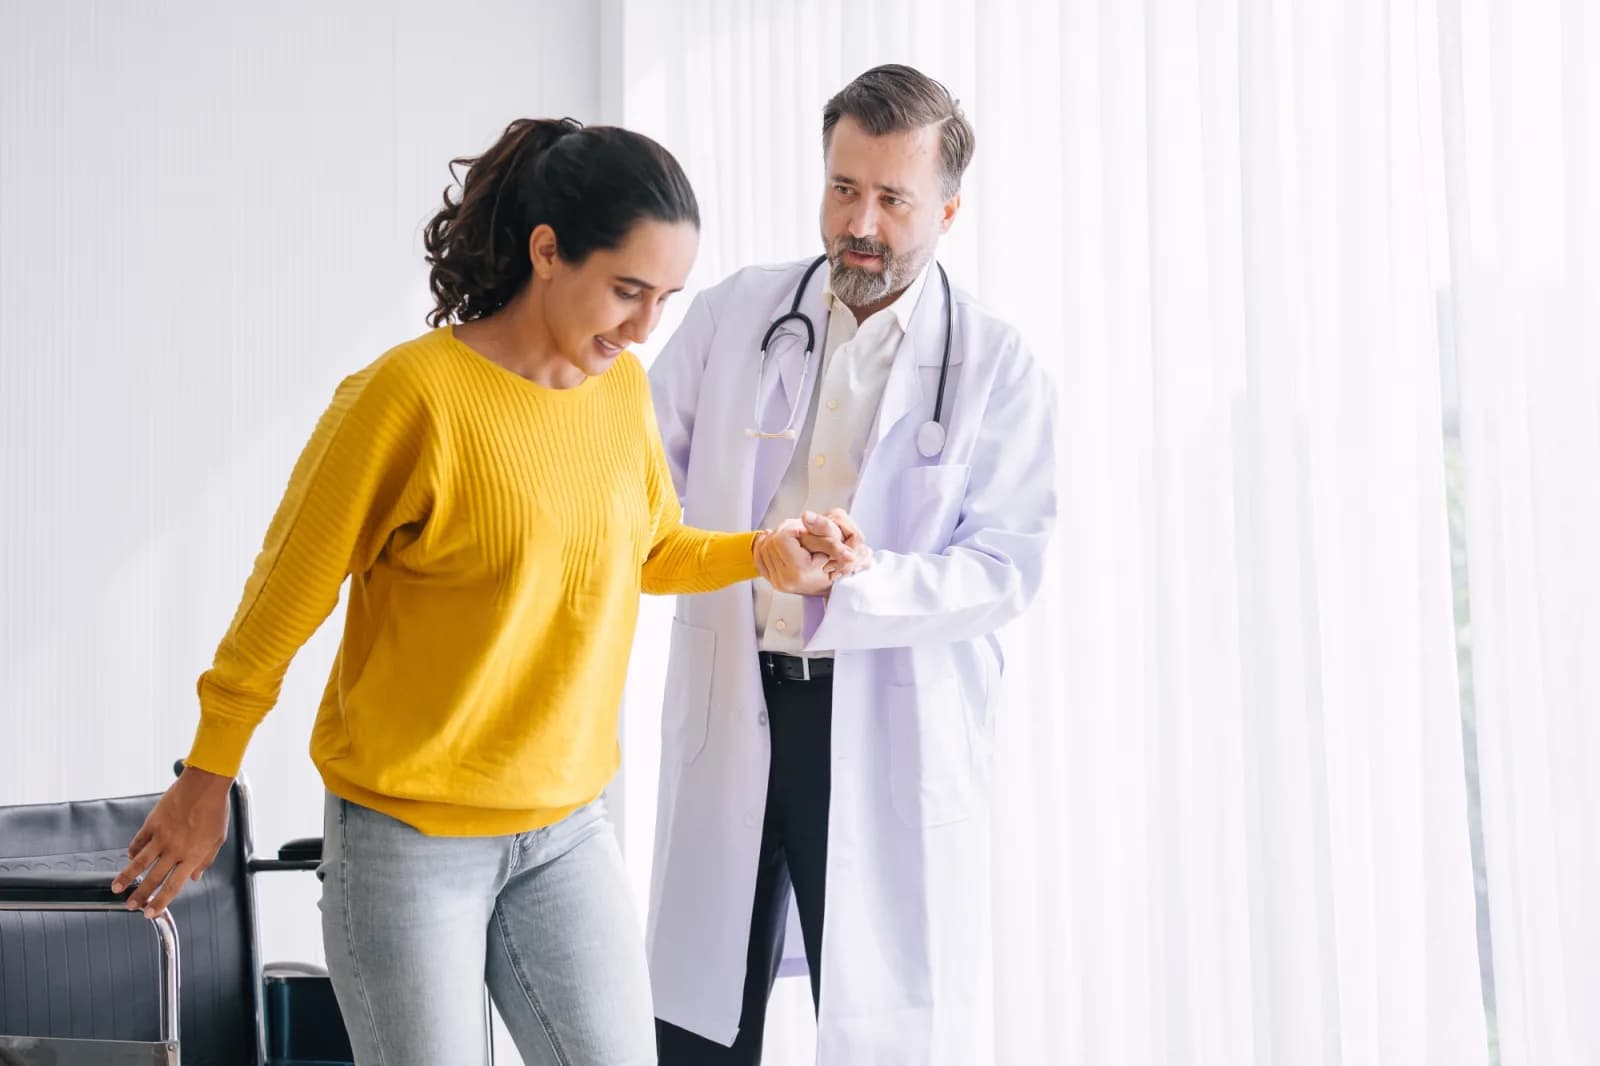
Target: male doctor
[{"x": 839, "y": 743}]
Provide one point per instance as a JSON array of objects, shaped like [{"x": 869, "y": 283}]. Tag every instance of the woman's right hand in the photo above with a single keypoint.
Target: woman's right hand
[
  {"x": 787, "y": 566},
  {"x": 178, "y": 841}
]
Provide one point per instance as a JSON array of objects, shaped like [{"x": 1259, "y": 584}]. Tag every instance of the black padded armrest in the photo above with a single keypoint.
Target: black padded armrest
[
  {"x": 91, "y": 887},
  {"x": 303, "y": 854},
  {"x": 306, "y": 849}
]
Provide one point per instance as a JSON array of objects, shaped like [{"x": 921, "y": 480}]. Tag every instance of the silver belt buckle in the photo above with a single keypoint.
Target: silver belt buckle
[{"x": 805, "y": 668}]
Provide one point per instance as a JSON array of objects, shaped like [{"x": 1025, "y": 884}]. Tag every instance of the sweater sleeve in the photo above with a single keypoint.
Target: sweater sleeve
[
  {"x": 683, "y": 559},
  {"x": 363, "y": 475}
]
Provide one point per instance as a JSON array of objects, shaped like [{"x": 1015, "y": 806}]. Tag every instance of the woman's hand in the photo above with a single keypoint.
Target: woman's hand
[
  {"x": 788, "y": 566},
  {"x": 806, "y": 555},
  {"x": 177, "y": 842}
]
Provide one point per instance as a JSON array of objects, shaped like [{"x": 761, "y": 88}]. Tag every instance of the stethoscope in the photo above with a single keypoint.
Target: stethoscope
[{"x": 930, "y": 435}]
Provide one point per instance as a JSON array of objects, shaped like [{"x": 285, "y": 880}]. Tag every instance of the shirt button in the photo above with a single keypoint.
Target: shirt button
[
  {"x": 782, "y": 627},
  {"x": 749, "y": 819},
  {"x": 822, "y": 460},
  {"x": 762, "y": 717},
  {"x": 833, "y": 405}
]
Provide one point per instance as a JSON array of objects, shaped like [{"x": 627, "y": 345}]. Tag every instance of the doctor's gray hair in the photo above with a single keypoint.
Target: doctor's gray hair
[{"x": 895, "y": 98}]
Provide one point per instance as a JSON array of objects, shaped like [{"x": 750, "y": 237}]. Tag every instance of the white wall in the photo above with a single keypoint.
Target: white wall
[{"x": 209, "y": 214}]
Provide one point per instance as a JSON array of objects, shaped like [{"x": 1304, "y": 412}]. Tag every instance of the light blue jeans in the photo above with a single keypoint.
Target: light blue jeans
[{"x": 414, "y": 925}]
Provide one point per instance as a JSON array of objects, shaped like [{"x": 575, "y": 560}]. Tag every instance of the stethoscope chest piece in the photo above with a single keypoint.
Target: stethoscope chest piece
[{"x": 930, "y": 440}]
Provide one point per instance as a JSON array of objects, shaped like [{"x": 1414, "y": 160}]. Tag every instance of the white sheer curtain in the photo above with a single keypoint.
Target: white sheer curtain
[
  {"x": 1522, "y": 103},
  {"x": 1231, "y": 825}
]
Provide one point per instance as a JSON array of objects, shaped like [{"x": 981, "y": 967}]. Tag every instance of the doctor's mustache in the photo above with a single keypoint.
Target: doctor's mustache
[
  {"x": 861, "y": 246},
  {"x": 857, "y": 285}
]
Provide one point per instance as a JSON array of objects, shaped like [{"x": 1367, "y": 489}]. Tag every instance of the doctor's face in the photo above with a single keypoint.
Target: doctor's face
[{"x": 883, "y": 211}]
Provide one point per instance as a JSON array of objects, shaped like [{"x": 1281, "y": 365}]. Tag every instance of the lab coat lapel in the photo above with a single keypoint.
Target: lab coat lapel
[{"x": 923, "y": 345}]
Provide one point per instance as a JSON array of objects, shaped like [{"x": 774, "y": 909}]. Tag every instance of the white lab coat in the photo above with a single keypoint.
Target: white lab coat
[{"x": 959, "y": 544}]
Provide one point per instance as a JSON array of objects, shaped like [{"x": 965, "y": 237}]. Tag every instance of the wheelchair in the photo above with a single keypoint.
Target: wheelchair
[{"x": 86, "y": 982}]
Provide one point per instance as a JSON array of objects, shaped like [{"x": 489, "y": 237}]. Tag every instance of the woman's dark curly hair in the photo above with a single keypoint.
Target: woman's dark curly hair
[{"x": 589, "y": 184}]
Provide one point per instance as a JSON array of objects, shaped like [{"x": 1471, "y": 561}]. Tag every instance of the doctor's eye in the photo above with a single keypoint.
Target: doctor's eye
[
  {"x": 627, "y": 294},
  {"x": 893, "y": 201},
  {"x": 844, "y": 190}
]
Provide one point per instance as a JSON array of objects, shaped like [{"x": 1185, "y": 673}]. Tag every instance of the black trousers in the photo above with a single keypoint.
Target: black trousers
[{"x": 794, "y": 851}]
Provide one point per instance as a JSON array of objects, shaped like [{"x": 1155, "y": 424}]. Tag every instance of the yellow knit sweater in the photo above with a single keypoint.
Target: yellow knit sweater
[{"x": 497, "y": 535}]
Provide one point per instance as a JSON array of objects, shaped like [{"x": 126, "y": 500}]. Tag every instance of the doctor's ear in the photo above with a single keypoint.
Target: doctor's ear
[
  {"x": 544, "y": 251},
  {"x": 951, "y": 207}
]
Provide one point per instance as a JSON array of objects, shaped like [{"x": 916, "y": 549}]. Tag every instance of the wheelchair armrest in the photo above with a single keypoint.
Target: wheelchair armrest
[
  {"x": 302, "y": 854},
  {"x": 90, "y": 890},
  {"x": 306, "y": 849},
  {"x": 88, "y": 887}
]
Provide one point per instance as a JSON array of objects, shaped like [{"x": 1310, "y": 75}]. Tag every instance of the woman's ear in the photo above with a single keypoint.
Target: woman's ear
[{"x": 543, "y": 251}]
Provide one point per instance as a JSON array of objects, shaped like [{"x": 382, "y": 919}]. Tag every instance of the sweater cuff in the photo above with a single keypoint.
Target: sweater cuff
[
  {"x": 732, "y": 556},
  {"x": 222, "y": 737},
  {"x": 219, "y": 745}
]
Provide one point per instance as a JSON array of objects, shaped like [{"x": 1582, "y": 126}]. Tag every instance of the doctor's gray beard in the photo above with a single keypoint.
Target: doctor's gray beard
[{"x": 858, "y": 287}]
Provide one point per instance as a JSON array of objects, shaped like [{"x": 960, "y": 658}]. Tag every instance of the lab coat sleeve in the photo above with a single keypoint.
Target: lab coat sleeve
[
  {"x": 675, "y": 380},
  {"x": 994, "y": 563}
]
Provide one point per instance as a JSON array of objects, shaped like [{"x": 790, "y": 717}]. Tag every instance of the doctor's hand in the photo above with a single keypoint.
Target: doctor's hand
[
  {"x": 788, "y": 566},
  {"x": 836, "y": 535}
]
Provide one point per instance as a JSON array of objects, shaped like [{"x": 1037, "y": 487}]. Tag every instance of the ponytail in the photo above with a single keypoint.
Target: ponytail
[{"x": 590, "y": 185}]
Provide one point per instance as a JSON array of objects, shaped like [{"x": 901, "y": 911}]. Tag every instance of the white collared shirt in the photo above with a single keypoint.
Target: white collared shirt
[{"x": 828, "y": 453}]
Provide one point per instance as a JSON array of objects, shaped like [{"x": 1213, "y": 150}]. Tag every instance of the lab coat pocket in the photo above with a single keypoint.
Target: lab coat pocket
[
  {"x": 931, "y": 770},
  {"x": 688, "y": 697},
  {"x": 927, "y": 504}
]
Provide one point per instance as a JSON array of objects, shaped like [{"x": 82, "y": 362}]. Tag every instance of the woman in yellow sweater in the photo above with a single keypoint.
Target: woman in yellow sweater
[{"x": 497, "y": 495}]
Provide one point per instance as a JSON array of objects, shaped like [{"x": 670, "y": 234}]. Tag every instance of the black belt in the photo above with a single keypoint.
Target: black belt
[{"x": 795, "y": 668}]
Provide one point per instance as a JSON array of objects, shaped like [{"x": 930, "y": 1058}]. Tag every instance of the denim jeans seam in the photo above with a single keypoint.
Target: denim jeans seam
[
  {"x": 350, "y": 937},
  {"x": 526, "y": 985}
]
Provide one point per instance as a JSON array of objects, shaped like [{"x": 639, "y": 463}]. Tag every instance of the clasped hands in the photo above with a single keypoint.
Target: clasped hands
[{"x": 806, "y": 555}]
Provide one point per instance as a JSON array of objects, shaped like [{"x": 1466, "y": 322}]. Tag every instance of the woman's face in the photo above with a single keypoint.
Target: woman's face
[{"x": 613, "y": 299}]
